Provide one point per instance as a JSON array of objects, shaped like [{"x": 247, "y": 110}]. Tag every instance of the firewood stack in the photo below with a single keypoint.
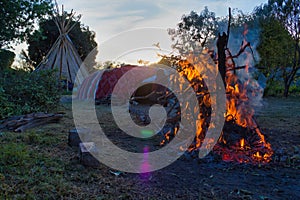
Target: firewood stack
[{"x": 24, "y": 122}]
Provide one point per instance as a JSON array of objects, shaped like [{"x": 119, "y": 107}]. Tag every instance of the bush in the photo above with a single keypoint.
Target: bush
[
  {"x": 294, "y": 90},
  {"x": 22, "y": 92},
  {"x": 6, "y": 107},
  {"x": 274, "y": 89},
  {"x": 6, "y": 59}
]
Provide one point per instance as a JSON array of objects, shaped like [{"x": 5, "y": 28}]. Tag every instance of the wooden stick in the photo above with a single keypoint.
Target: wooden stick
[{"x": 229, "y": 24}]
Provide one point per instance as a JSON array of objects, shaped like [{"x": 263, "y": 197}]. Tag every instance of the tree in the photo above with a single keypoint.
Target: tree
[
  {"x": 6, "y": 59},
  {"x": 287, "y": 13},
  {"x": 17, "y": 18},
  {"x": 194, "y": 31},
  {"x": 41, "y": 41},
  {"x": 276, "y": 50}
]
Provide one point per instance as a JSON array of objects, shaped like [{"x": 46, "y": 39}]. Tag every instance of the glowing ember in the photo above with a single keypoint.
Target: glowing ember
[
  {"x": 242, "y": 143},
  {"x": 241, "y": 140}
]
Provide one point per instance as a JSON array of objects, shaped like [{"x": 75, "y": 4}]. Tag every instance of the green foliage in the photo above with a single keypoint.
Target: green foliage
[
  {"x": 7, "y": 108},
  {"x": 22, "y": 92},
  {"x": 23, "y": 160},
  {"x": 275, "y": 48},
  {"x": 294, "y": 90},
  {"x": 288, "y": 13},
  {"x": 6, "y": 59},
  {"x": 41, "y": 40},
  {"x": 280, "y": 46},
  {"x": 17, "y": 18},
  {"x": 274, "y": 88},
  {"x": 194, "y": 31},
  {"x": 108, "y": 65}
]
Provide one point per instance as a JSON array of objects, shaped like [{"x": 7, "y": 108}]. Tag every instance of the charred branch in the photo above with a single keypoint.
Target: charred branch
[{"x": 221, "y": 44}]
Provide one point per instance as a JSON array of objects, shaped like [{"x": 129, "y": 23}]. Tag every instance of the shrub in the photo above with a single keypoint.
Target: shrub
[
  {"x": 6, "y": 107},
  {"x": 274, "y": 89},
  {"x": 6, "y": 59},
  {"x": 294, "y": 90},
  {"x": 22, "y": 92}
]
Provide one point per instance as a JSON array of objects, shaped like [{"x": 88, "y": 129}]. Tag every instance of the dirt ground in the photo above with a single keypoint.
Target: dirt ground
[
  {"x": 184, "y": 179},
  {"x": 215, "y": 179}
]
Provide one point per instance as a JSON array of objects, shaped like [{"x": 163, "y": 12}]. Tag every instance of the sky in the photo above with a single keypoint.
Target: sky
[{"x": 123, "y": 21}]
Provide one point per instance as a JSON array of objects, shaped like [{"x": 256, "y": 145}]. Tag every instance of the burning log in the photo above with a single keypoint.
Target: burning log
[
  {"x": 241, "y": 144},
  {"x": 241, "y": 140},
  {"x": 24, "y": 122}
]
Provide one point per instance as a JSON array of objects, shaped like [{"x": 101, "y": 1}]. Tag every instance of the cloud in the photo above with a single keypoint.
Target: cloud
[
  {"x": 112, "y": 16},
  {"x": 109, "y": 17}
]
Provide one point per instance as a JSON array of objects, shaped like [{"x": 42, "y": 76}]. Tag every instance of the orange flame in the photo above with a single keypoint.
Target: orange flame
[
  {"x": 242, "y": 143},
  {"x": 238, "y": 110}
]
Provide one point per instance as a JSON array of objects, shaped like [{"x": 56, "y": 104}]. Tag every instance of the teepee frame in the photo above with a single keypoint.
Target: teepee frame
[{"x": 63, "y": 56}]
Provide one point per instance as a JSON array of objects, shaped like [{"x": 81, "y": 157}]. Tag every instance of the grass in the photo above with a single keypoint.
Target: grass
[
  {"x": 29, "y": 169},
  {"x": 282, "y": 114},
  {"x": 38, "y": 164}
]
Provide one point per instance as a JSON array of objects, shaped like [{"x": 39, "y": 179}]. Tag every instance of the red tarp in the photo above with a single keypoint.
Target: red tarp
[{"x": 101, "y": 84}]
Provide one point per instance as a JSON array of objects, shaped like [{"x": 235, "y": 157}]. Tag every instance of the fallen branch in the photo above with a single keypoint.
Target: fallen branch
[{"x": 24, "y": 122}]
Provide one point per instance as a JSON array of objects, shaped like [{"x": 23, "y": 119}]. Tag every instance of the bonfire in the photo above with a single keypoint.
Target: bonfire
[{"x": 241, "y": 139}]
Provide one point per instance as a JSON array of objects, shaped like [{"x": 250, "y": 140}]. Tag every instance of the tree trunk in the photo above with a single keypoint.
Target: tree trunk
[
  {"x": 286, "y": 90},
  {"x": 287, "y": 85},
  {"x": 290, "y": 76}
]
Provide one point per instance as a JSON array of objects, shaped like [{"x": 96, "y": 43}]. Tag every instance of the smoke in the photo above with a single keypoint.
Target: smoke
[{"x": 252, "y": 80}]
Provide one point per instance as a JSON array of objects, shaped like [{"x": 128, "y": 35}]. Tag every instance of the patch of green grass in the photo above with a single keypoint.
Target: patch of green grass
[
  {"x": 13, "y": 154},
  {"x": 29, "y": 170}
]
